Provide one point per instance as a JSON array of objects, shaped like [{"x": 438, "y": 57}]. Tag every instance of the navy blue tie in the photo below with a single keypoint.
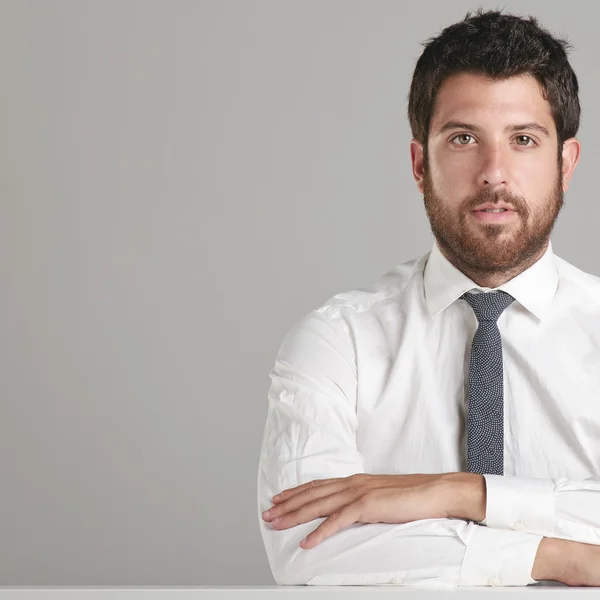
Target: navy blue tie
[{"x": 485, "y": 416}]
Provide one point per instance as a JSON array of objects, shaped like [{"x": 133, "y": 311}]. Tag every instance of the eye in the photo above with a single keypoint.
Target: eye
[
  {"x": 461, "y": 135},
  {"x": 527, "y": 138}
]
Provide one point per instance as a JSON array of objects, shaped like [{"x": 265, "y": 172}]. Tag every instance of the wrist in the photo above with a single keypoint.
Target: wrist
[
  {"x": 566, "y": 561},
  {"x": 467, "y": 493},
  {"x": 554, "y": 559}
]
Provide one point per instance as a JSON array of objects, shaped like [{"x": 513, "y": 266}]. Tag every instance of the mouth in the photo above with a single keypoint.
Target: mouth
[{"x": 496, "y": 215}]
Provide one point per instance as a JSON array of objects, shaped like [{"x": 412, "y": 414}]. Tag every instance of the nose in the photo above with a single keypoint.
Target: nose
[{"x": 494, "y": 168}]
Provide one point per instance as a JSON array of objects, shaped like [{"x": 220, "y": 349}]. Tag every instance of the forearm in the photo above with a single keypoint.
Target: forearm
[
  {"x": 566, "y": 561},
  {"x": 551, "y": 559},
  {"x": 466, "y": 493}
]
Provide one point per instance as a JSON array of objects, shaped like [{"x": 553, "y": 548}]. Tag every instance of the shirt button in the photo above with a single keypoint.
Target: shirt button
[{"x": 519, "y": 526}]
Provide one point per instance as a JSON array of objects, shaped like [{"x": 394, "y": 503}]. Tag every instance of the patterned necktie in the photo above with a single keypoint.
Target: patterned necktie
[{"x": 485, "y": 421}]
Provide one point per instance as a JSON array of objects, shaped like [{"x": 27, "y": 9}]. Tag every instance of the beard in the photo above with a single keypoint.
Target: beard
[{"x": 488, "y": 248}]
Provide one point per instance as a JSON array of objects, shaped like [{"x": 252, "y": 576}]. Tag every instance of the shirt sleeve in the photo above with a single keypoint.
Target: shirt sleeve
[
  {"x": 558, "y": 508},
  {"x": 310, "y": 433}
]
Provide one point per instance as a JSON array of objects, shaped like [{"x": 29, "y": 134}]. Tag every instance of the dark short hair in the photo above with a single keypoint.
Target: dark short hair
[{"x": 499, "y": 46}]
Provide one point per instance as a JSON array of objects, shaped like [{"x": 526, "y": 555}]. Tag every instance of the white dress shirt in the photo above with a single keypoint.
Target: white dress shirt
[{"x": 376, "y": 381}]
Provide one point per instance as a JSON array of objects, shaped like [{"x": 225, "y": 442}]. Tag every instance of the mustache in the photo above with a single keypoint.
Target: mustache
[{"x": 494, "y": 198}]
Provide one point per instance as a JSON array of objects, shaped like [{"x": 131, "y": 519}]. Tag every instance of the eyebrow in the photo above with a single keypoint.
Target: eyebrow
[{"x": 460, "y": 125}]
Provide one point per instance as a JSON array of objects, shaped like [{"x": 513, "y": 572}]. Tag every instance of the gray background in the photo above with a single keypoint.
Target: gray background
[{"x": 181, "y": 181}]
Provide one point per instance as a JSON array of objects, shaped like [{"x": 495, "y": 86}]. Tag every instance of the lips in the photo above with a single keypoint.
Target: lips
[
  {"x": 493, "y": 217},
  {"x": 494, "y": 206}
]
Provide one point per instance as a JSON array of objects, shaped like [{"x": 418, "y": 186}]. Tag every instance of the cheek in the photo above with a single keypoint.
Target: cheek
[
  {"x": 453, "y": 171},
  {"x": 452, "y": 182},
  {"x": 535, "y": 182}
]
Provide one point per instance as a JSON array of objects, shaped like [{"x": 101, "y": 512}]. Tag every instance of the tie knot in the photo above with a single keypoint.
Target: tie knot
[{"x": 488, "y": 306}]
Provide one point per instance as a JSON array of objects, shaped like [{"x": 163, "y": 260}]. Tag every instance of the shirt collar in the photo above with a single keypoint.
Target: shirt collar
[{"x": 534, "y": 288}]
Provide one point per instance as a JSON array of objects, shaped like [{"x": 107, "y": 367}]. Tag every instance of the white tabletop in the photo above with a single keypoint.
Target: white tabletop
[{"x": 287, "y": 592}]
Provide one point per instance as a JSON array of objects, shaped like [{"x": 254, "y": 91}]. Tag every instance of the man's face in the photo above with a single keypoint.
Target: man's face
[{"x": 487, "y": 144}]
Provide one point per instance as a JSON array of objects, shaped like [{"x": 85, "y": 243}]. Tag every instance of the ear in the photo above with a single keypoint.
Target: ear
[
  {"x": 570, "y": 155},
  {"x": 416, "y": 157}
]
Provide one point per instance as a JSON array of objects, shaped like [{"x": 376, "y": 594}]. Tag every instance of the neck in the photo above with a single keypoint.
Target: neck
[{"x": 491, "y": 279}]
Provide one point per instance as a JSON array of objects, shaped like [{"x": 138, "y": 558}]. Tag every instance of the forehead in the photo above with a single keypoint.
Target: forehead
[{"x": 474, "y": 97}]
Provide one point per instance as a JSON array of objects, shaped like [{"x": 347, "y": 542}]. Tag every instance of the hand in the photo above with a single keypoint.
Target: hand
[{"x": 361, "y": 498}]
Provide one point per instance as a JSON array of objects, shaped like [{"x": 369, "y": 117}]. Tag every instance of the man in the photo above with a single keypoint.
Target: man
[{"x": 442, "y": 426}]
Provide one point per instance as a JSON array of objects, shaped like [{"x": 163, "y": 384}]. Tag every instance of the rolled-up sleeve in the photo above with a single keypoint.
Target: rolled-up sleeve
[{"x": 310, "y": 433}]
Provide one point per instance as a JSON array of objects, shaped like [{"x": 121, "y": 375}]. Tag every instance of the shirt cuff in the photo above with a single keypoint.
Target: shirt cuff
[
  {"x": 498, "y": 557},
  {"x": 520, "y": 503}
]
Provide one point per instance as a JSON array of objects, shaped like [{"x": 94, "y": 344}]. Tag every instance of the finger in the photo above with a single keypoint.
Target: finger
[
  {"x": 306, "y": 497},
  {"x": 285, "y": 494},
  {"x": 336, "y": 521},
  {"x": 321, "y": 507},
  {"x": 299, "y": 488}
]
